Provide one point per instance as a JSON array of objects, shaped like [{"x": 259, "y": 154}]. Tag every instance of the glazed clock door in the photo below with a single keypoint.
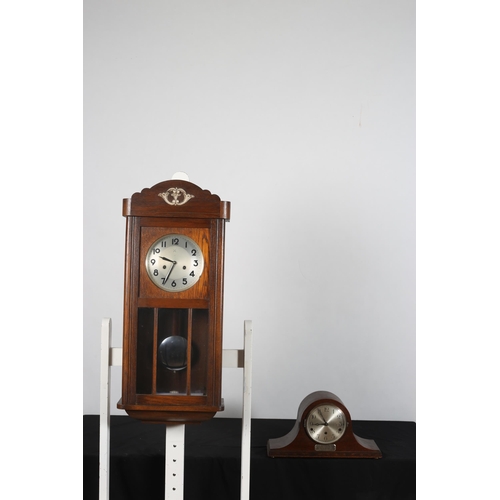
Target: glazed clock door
[{"x": 172, "y": 352}]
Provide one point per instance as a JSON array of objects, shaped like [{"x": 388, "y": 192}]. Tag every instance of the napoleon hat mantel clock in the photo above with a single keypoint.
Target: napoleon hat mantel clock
[
  {"x": 323, "y": 429},
  {"x": 173, "y": 302}
]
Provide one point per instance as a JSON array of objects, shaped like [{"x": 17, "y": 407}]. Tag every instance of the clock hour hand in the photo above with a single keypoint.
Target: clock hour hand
[{"x": 164, "y": 258}]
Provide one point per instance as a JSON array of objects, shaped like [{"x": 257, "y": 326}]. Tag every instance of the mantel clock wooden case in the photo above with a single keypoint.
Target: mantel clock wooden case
[
  {"x": 172, "y": 326},
  {"x": 323, "y": 429}
]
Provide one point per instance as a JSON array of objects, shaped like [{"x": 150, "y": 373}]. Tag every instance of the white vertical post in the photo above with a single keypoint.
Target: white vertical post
[
  {"x": 175, "y": 434},
  {"x": 174, "y": 462},
  {"x": 247, "y": 412},
  {"x": 104, "y": 418}
]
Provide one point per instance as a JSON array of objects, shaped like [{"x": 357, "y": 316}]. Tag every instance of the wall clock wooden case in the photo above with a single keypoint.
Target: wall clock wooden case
[{"x": 172, "y": 328}]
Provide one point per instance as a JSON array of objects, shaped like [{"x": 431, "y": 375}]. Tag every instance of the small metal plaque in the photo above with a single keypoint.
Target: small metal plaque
[{"x": 325, "y": 447}]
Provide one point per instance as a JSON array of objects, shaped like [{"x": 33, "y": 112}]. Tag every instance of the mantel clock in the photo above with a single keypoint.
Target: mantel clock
[
  {"x": 323, "y": 429},
  {"x": 172, "y": 327}
]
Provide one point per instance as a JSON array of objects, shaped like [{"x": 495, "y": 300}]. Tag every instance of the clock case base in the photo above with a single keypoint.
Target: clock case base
[
  {"x": 298, "y": 444},
  {"x": 170, "y": 415}
]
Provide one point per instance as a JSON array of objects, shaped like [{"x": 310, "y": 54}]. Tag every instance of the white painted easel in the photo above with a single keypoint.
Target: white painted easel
[{"x": 174, "y": 441}]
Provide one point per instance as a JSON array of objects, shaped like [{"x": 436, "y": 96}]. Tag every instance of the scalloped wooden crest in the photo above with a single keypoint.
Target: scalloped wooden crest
[{"x": 176, "y": 197}]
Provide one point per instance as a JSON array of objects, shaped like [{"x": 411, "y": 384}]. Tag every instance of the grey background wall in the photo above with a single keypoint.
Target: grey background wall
[{"x": 302, "y": 114}]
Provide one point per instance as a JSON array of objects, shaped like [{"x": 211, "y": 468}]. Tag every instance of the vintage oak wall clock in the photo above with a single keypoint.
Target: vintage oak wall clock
[
  {"x": 323, "y": 429},
  {"x": 173, "y": 303}
]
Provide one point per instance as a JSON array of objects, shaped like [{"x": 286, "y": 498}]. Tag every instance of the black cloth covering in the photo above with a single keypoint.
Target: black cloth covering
[{"x": 213, "y": 460}]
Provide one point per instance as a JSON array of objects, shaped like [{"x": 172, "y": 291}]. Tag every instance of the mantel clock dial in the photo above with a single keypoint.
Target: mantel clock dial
[
  {"x": 323, "y": 429},
  {"x": 326, "y": 423},
  {"x": 173, "y": 303}
]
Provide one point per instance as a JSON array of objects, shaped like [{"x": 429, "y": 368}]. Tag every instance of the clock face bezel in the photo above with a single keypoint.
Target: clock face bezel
[
  {"x": 181, "y": 269},
  {"x": 323, "y": 420}
]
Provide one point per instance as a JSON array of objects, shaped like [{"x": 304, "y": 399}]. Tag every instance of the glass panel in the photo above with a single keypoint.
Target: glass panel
[
  {"x": 199, "y": 349},
  {"x": 145, "y": 336},
  {"x": 172, "y": 345},
  {"x": 180, "y": 345}
]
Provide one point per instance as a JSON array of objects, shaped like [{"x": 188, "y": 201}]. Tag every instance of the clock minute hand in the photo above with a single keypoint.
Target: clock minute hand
[
  {"x": 171, "y": 269},
  {"x": 322, "y": 417}
]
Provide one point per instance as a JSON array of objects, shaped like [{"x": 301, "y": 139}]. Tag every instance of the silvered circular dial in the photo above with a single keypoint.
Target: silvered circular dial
[
  {"x": 174, "y": 262},
  {"x": 326, "y": 423}
]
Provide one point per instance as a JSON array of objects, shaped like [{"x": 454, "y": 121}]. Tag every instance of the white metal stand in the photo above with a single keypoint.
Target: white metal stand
[
  {"x": 174, "y": 435},
  {"x": 174, "y": 462},
  {"x": 236, "y": 358}
]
